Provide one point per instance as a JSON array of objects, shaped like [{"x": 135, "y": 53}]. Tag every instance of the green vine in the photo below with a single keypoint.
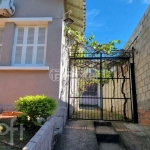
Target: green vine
[{"x": 76, "y": 43}]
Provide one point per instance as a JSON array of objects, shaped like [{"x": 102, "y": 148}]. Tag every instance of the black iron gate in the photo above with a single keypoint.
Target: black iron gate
[{"x": 100, "y": 87}]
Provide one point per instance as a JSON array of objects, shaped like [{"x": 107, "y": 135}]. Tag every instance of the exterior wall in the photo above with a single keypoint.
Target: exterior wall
[
  {"x": 19, "y": 83},
  {"x": 8, "y": 36},
  {"x": 89, "y": 101},
  {"x": 142, "y": 67},
  {"x": 15, "y": 84},
  {"x": 113, "y": 90},
  {"x": 142, "y": 72},
  {"x": 74, "y": 102},
  {"x": 38, "y": 8}
]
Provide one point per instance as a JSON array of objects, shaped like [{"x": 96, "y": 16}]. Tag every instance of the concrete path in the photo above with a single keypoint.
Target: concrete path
[
  {"x": 77, "y": 135},
  {"x": 85, "y": 135},
  {"x": 134, "y": 136},
  {"x": 107, "y": 137}
]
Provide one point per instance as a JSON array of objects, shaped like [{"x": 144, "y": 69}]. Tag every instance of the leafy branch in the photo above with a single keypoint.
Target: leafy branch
[
  {"x": 78, "y": 45},
  {"x": 77, "y": 41}
]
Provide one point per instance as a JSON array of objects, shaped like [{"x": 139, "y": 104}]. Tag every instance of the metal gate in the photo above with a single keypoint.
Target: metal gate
[{"x": 100, "y": 86}]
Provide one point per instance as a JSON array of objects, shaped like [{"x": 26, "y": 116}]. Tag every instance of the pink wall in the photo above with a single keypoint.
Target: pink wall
[{"x": 15, "y": 84}]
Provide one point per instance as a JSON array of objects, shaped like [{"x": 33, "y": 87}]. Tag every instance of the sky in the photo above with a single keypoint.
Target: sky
[{"x": 111, "y": 20}]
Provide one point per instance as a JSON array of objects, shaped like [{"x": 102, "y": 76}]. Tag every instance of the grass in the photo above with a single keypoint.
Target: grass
[{"x": 18, "y": 144}]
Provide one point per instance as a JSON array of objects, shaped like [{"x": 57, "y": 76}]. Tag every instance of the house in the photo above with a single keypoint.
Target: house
[{"x": 31, "y": 48}]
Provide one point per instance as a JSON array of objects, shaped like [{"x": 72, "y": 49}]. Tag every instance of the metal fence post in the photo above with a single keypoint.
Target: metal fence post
[
  {"x": 133, "y": 83},
  {"x": 101, "y": 86}
]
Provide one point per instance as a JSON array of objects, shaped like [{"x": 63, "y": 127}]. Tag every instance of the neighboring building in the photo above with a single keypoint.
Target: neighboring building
[
  {"x": 140, "y": 41},
  {"x": 141, "y": 38},
  {"x": 31, "y": 46}
]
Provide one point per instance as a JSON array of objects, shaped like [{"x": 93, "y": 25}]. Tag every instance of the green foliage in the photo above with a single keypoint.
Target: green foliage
[
  {"x": 86, "y": 82},
  {"x": 78, "y": 40},
  {"x": 33, "y": 107},
  {"x": 22, "y": 119}
]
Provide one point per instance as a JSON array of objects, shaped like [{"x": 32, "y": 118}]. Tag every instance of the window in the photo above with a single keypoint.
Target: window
[
  {"x": 29, "y": 46},
  {"x": 1, "y": 38}
]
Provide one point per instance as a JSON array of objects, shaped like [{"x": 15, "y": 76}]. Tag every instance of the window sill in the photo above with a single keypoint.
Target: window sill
[{"x": 44, "y": 68}]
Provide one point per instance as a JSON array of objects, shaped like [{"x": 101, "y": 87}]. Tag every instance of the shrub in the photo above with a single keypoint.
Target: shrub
[{"x": 33, "y": 107}]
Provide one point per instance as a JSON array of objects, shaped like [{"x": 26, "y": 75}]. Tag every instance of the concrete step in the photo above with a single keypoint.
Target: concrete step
[
  {"x": 106, "y": 134},
  {"x": 134, "y": 136},
  {"x": 110, "y": 146},
  {"x": 107, "y": 137},
  {"x": 102, "y": 123}
]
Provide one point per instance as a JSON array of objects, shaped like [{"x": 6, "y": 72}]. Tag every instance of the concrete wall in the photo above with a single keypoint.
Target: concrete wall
[
  {"x": 15, "y": 84},
  {"x": 46, "y": 137},
  {"x": 142, "y": 67},
  {"x": 113, "y": 90},
  {"x": 38, "y": 8},
  {"x": 74, "y": 91},
  {"x": 93, "y": 100},
  {"x": 142, "y": 72}
]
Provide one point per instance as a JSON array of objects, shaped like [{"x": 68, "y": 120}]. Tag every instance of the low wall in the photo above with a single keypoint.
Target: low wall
[{"x": 46, "y": 136}]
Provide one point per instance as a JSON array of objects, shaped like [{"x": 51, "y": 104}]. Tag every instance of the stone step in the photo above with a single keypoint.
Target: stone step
[
  {"x": 102, "y": 123},
  {"x": 106, "y": 134},
  {"x": 110, "y": 146}
]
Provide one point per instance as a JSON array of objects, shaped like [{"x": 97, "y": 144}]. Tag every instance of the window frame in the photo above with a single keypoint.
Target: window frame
[
  {"x": 24, "y": 45},
  {"x": 2, "y": 41},
  {"x": 3, "y": 34}
]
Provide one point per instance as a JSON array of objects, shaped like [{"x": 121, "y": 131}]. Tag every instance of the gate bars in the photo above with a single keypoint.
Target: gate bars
[{"x": 100, "y": 88}]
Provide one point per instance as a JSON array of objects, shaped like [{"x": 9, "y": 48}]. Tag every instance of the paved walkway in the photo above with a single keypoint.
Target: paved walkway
[
  {"x": 134, "y": 136},
  {"x": 81, "y": 135},
  {"x": 77, "y": 135}
]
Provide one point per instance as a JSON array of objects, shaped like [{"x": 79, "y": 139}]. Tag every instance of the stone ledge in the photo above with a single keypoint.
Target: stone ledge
[
  {"x": 11, "y": 113},
  {"x": 45, "y": 137}
]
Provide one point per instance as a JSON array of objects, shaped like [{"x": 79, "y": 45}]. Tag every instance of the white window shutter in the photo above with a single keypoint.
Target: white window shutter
[
  {"x": 29, "y": 55},
  {"x": 30, "y": 39},
  {"x": 40, "y": 55},
  {"x": 29, "y": 46},
  {"x": 18, "y": 55},
  {"x": 20, "y": 36},
  {"x": 41, "y": 36}
]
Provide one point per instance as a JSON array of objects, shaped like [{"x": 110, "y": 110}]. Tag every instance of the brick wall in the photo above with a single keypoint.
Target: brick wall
[{"x": 142, "y": 67}]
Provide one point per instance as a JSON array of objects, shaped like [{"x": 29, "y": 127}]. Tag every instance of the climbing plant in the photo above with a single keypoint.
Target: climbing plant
[
  {"x": 76, "y": 41},
  {"x": 78, "y": 45}
]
